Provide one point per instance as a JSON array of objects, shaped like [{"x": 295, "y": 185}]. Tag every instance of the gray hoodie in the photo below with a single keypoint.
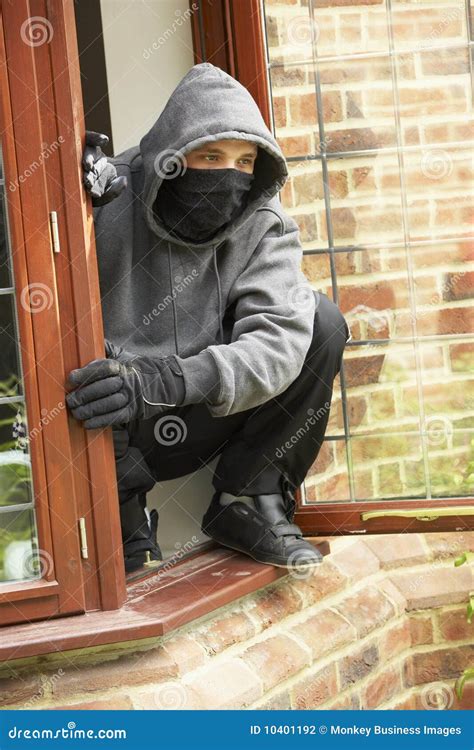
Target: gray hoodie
[{"x": 230, "y": 309}]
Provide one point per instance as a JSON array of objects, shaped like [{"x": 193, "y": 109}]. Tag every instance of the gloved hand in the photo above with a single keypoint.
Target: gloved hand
[
  {"x": 116, "y": 391},
  {"x": 99, "y": 176}
]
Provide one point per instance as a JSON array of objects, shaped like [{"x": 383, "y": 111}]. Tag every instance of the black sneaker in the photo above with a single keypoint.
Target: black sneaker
[
  {"x": 262, "y": 530},
  {"x": 143, "y": 552}
]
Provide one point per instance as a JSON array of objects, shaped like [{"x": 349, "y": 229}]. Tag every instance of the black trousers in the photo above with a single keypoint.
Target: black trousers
[{"x": 257, "y": 447}]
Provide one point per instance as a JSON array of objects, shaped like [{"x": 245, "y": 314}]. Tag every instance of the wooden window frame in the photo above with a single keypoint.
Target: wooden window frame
[{"x": 73, "y": 471}]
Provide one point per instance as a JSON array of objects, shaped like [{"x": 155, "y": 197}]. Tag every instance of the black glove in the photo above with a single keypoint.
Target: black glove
[
  {"x": 116, "y": 391},
  {"x": 99, "y": 176}
]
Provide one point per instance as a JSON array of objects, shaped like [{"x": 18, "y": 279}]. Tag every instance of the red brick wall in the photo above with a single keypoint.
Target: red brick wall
[
  {"x": 395, "y": 391},
  {"x": 381, "y": 624}
]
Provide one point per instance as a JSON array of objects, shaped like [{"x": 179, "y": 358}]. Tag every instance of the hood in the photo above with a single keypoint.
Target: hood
[{"x": 209, "y": 105}]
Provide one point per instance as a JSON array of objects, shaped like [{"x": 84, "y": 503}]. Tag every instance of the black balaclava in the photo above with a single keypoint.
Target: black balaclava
[{"x": 198, "y": 203}]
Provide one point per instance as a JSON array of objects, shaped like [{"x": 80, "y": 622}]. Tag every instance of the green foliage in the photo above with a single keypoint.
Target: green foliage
[{"x": 468, "y": 673}]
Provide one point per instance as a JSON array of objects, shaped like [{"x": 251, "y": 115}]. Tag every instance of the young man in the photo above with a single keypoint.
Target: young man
[{"x": 215, "y": 341}]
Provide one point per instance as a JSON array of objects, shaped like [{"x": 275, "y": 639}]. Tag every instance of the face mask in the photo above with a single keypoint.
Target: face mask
[{"x": 199, "y": 202}]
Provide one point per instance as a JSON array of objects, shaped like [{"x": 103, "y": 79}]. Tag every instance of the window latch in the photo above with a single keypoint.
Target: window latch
[
  {"x": 421, "y": 514},
  {"x": 53, "y": 222},
  {"x": 83, "y": 538}
]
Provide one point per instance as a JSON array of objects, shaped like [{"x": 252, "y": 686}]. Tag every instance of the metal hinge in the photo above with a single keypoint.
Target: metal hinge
[
  {"x": 83, "y": 538},
  {"x": 149, "y": 563},
  {"x": 421, "y": 514},
  {"x": 53, "y": 221}
]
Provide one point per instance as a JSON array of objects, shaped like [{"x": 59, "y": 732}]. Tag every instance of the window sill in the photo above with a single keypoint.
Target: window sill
[{"x": 162, "y": 601}]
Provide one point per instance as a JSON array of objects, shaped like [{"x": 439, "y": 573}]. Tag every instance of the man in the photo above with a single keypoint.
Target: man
[{"x": 215, "y": 341}]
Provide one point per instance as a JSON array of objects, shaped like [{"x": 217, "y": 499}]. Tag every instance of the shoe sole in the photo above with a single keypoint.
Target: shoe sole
[{"x": 297, "y": 565}]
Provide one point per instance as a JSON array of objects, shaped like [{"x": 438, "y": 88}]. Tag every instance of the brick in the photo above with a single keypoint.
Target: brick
[
  {"x": 297, "y": 145},
  {"x": 356, "y": 561},
  {"x": 229, "y": 685},
  {"x": 458, "y": 285},
  {"x": 421, "y": 629},
  {"x": 359, "y": 139},
  {"x": 357, "y": 665},
  {"x": 325, "y": 580},
  {"x": 394, "y": 550},
  {"x": 381, "y": 688},
  {"x": 377, "y": 295},
  {"x": 303, "y": 109},
  {"x": 442, "y": 664},
  {"x": 19, "y": 688},
  {"x": 276, "y": 659},
  {"x": 446, "y": 321},
  {"x": 280, "y": 702},
  {"x": 185, "y": 653},
  {"x": 288, "y": 76},
  {"x": 350, "y": 702},
  {"x": 396, "y": 640},
  {"x": 308, "y": 188},
  {"x": 117, "y": 703},
  {"x": 450, "y": 543},
  {"x": 454, "y": 626},
  {"x": 324, "y": 632},
  {"x": 135, "y": 669},
  {"x": 279, "y": 111},
  {"x": 405, "y": 704},
  {"x": 169, "y": 696},
  {"x": 314, "y": 689},
  {"x": 433, "y": 588},
  {"x": 408, "y": 671},
  {"x": 444, "y": 62},
  {"x": 366, "y": 610},
  {"x": 274, "y": 605},
  {"x": 363, "y": 370},
  {"x": 393, "y": 595},
  {"x": 344, "y": 223},
  {"x": 220, "y": 634}
]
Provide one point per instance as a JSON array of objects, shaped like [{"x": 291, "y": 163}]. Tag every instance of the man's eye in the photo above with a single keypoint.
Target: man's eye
[{"x": 211, "y": 157}]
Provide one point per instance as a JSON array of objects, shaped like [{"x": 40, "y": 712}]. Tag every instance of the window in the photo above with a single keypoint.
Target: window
[
  {"x": 374, "y": 111},
  {"x": 379, "y": 236}
]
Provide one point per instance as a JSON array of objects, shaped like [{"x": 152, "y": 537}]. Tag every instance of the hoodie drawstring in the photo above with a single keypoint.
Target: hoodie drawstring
[
  {"x": 173, "y": 303},
  {"x": 219, "y": 293}
]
